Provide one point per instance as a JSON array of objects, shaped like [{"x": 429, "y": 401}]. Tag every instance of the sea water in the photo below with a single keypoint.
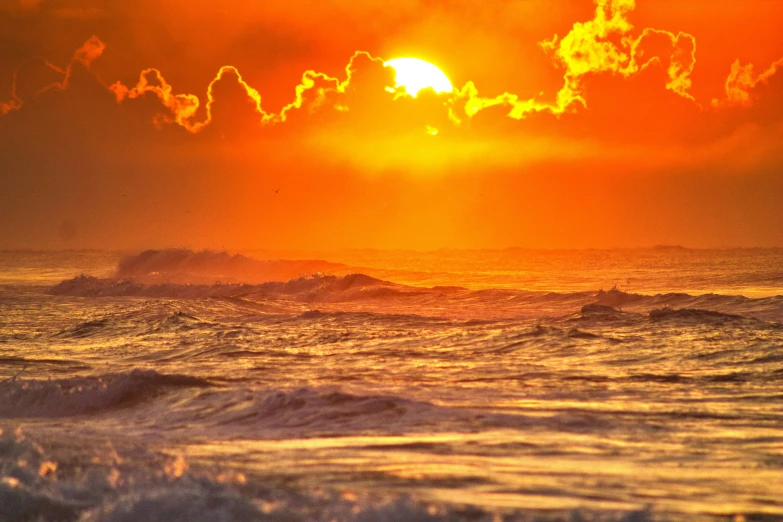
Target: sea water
[{"x": 392, "y": 386}]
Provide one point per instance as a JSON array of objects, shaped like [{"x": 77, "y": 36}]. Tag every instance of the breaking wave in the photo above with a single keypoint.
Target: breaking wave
[
  {"x": 186, "y": 266},
  {"x": 253, "y": 413},
  {"x": 495, "y": 303},
  {"x": 303, "y": 287},
  {"x": 36, "y": 483},
  {"x": 185, "y": 274},
  {"x": 80, "y": 395},
  {"x": 703, "y": 307}
]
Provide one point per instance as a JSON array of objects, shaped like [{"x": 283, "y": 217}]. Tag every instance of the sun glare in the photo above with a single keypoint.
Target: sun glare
[{"x": 414, "y": 75}]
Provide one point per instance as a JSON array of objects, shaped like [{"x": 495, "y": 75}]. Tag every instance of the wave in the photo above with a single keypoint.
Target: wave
[
  {"x": 311, "y": 287},
  {"x": 598, "y": 313},
  {"x": 398, "y": 299},
  {"x": 254, "y": 413},
  {"x": 71, "y": 480},
  {"x": 85, "y": 329},
  {"x": 601, "y": 312},
  {"x": 186, "y": 266},
  {"x": 30, "y": 398},
  {"x": 139, "y": 401},
  {"x": 693, "y": 315},
  {"x": 148, "y": 319},
  {"x": 289, "y": 413},
  {"x": 766, "y": 308}
]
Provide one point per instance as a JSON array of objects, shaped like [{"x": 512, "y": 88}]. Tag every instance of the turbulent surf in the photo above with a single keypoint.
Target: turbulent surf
[{"x": 485, "y": 386}]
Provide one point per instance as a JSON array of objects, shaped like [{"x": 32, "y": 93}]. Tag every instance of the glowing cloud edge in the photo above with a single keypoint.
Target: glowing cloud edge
[{"x": 586, "y": 49}]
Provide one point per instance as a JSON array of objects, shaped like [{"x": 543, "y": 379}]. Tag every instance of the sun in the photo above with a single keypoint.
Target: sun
[{"x": 414, "y": 75}]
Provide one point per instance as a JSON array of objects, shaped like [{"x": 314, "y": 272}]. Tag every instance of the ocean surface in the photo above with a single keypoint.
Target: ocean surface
[{"x": 392, "y": 386}]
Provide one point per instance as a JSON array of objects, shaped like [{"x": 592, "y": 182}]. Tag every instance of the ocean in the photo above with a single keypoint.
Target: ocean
[{"x": 367, "y": 385}]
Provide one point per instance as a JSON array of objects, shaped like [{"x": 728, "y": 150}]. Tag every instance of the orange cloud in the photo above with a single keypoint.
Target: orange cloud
[
  {"x": 606, "y": 44},
  {"x": 84, "y": 55},
  {"x": 15, "y": 103},
  {"x": 682, "y": 59},
  {"x": 184, "y": 107},
  {"x": 590, "y": 47},
  {"x": 599, "y": 45},
  {"x": 741, "y": 81}
]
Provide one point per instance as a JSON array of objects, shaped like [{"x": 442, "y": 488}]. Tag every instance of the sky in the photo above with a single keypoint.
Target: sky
[{"x": 276, "y": 125}]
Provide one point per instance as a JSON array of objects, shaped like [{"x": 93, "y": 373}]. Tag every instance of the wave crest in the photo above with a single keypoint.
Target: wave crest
[
  {"x": 80, "y": 395},
  {"x": 692, "y": 315},
  {"x": 175, "y": 265},
  {"x": 305, "y": 412},
  {"x": 310, "y": 288}
]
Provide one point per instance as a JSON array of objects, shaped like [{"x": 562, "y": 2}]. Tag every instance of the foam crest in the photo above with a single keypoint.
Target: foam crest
[
  {"x": 135, "y": 485},
  {"x": 174, "y": 265},
  {"x": 313, "y": 287}
]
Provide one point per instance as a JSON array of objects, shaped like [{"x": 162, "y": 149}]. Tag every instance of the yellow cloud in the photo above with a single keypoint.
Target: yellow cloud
[
  {"x": 606, "y": 44},
  {"x": 741, "y": 81},
  {"x": 86, "y": 54},
  {"x": 183, "y": 107},
  {"x": 589, "y": 48}
]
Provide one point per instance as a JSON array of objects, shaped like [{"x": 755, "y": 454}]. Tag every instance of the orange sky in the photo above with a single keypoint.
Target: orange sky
[{"x": 572, "y": 124}]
